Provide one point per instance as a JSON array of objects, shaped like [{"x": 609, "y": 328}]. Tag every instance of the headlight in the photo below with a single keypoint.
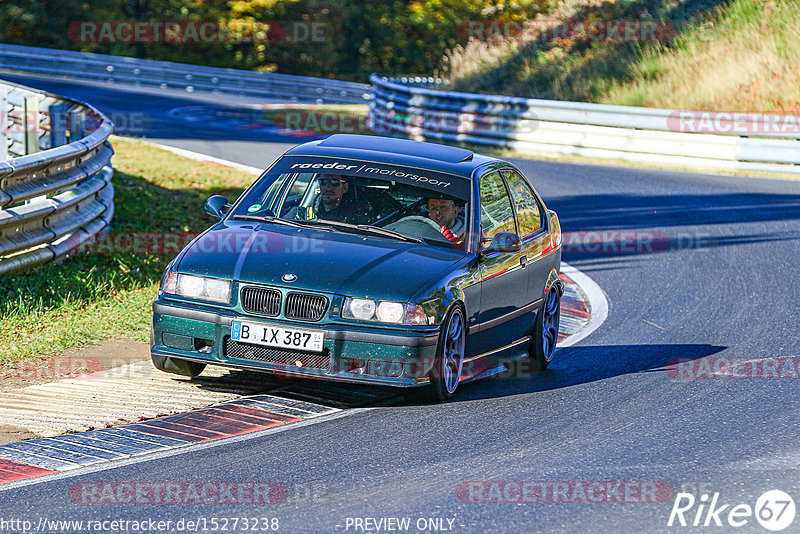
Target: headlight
[
  {"x": 363, "y": 309},
  {"x": 390, "y": 312},
  {"x": 383, "y": 311},
  {"x": 197, "y": 287}
]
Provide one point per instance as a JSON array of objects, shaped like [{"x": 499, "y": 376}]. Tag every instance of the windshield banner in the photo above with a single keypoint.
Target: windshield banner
[{"x": 448, "y": 184}]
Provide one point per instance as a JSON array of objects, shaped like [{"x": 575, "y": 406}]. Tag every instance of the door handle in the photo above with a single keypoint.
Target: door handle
[{"x": 523, "y": 260}]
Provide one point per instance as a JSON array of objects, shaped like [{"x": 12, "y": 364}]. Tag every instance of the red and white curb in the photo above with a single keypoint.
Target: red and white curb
[
  {"x": 584, "y": 306},
  {"x": 39, "y": 457},
  {"x": 128, "y": 393}
]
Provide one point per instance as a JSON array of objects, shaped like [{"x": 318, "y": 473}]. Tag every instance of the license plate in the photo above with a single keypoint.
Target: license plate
[{"x": 277, "y": 336}]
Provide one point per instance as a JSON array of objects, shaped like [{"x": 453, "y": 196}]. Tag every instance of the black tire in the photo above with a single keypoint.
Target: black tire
[
  {"x": 449, "y": 355},
  {"x": 545, "y": 330},
  {"x": 177, "y": 366}
]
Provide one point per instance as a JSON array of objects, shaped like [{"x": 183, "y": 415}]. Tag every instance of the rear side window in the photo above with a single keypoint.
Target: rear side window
[
  {"x": 529, "y": 215},
  {"x": 496, "y": 212}
]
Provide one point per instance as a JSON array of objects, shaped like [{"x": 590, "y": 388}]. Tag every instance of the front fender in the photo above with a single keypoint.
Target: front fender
[{"x": 460, "y": 285}]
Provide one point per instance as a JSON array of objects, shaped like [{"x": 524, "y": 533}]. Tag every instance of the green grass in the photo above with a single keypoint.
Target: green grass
[
  {"x": 732, "y": 55},
  {"x": 741, "y": 57},
  {"x": 89, "y": 297}
]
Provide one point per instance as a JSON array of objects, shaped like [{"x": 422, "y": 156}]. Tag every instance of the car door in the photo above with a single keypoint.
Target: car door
[
  {"x": 531, "y": 227},
  {"x": 502, "y": 319}
]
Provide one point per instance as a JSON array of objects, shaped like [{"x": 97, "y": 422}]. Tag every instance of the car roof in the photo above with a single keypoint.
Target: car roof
[{"x": 432, "y": 156}]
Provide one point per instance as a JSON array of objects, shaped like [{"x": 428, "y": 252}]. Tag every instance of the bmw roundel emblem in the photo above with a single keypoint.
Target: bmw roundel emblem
[{"x": 288, "y": 277}]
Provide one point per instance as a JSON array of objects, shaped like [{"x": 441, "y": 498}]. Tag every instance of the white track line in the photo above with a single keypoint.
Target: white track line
[
  {"x": 595, "y": 297},
  {"x": 203, "y": 157}
]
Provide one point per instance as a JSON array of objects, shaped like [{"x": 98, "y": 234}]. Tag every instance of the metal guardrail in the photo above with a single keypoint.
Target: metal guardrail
[
  {"x": 414, "y": 108},
  {"x": 55, "y": 191},
  {"x": 164, "y": 74}
]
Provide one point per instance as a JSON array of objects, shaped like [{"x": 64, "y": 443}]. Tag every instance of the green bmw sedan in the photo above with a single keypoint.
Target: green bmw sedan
[{"x": 368, "y": 259}]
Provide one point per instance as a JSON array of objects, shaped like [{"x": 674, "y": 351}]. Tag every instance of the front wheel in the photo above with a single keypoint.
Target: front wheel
[
  {"x": 449, "y": 355},
  {"x": 545, "y": 330}
]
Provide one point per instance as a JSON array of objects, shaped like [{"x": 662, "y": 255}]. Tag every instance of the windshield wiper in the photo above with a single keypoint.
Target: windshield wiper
[
  {"x": 269, "y": 219},
  {"x": 372, "y": 230},
  {"x": 322, "y": 223},
  {"x": 286, "y": 222}
]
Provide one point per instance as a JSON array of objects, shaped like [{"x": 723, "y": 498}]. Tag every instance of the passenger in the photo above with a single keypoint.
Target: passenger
[{"x": 444, "y": 212}]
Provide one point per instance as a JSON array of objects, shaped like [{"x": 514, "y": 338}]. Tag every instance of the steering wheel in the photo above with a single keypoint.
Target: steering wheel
[
  {"x": 396, "y": 216},
  {"x": 417, "y": 225},
  {"x": 420, "y": 218}
]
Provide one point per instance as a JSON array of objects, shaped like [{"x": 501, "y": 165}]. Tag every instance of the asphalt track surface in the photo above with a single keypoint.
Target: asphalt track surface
[{"x": 720, "y": 280}]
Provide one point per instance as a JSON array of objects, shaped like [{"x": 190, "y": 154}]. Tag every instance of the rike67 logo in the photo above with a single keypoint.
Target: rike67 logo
[{"x": 774, "y": 510}]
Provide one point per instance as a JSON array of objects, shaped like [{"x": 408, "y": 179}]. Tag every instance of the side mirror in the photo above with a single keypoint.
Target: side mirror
[
  {"x": 215, "y": 206},
  {"x": 503, "y": 242}
]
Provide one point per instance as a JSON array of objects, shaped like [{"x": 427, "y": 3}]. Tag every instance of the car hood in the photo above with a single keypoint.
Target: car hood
[{"x": 331, "y": 262}]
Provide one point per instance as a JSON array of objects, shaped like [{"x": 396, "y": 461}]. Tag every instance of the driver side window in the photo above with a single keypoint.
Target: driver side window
[{"x": 497, "y": 214}]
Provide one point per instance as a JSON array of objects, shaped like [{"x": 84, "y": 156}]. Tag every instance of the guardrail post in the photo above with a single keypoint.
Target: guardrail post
[
  {"x": 30, "y": 124},
  {"x": 77, "y": 126},
  {"x": 58, "y": 125},
  {"x": 3, "y": 124}
]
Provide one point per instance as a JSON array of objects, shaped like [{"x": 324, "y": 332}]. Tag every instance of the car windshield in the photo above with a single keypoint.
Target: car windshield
[{"x": 420, "y": 205}]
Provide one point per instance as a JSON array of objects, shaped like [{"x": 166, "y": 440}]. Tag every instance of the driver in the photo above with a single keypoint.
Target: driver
[
  {"x": 332, "y": 187},
  {"x": 335, "y": 204},
  {"x": 444, "y": 212}
]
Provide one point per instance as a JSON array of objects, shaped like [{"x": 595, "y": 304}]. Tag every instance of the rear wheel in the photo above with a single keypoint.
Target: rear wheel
[
  {"x": 177, "y": 366},
  {"x": 449, "y": 355},
  {"x": 545, "y": 330}
]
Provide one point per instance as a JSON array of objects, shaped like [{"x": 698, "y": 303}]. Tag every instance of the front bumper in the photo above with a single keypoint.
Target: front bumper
[{"x": 390, "y": 357}]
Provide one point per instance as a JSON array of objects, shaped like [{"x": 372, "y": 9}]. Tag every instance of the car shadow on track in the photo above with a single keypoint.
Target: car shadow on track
[
  {"x": 572, "y": 366},
  {"x": 326, "y": 393},
  {"x": 578, "y": 365}
]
